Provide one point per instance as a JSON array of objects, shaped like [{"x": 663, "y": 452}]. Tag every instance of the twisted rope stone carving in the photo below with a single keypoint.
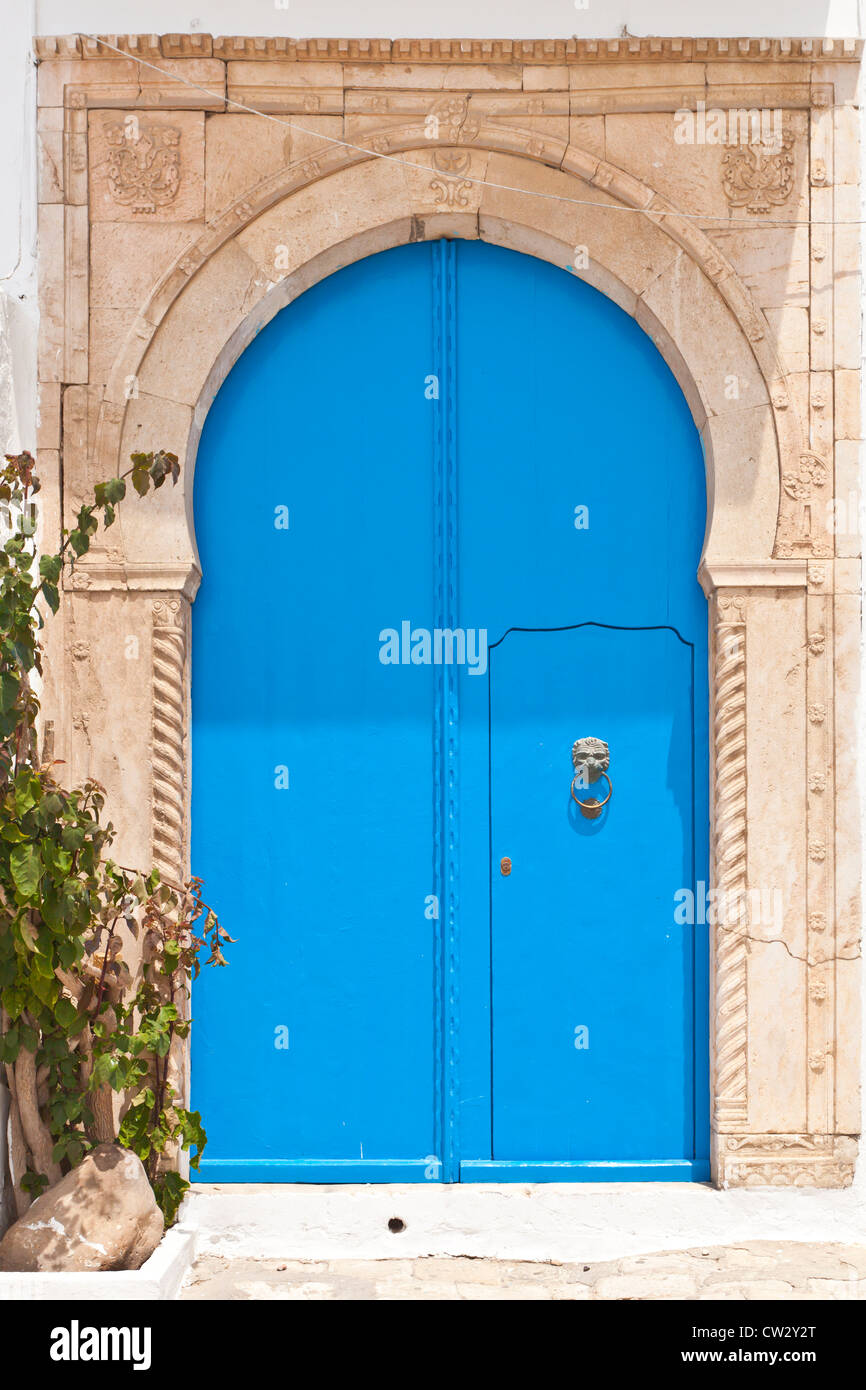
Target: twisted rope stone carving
[
  {"x": 729, "y": 734},
  {"x": 169, "y": 652}
]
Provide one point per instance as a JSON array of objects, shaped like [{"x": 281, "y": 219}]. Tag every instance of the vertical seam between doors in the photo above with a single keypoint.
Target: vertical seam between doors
[{"x": 446, "y": 716}]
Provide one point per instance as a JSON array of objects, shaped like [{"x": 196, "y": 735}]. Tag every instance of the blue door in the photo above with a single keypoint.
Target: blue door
[{"x": 449, "y": 507}]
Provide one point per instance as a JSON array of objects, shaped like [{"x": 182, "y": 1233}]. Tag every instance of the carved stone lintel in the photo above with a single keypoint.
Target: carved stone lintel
[{"x": 168, "y": 762}]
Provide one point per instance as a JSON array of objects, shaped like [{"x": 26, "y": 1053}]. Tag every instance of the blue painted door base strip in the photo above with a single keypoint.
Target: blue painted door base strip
[
  {"x": 325, "y": 1170},
  {"x": 652, "y": 1170}
]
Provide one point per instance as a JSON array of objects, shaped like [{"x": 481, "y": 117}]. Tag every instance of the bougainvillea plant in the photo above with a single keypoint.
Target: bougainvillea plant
[{"x": 96, "y": 959}]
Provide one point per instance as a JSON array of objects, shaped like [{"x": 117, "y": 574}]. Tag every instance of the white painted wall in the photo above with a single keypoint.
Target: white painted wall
[{"x": 305, "y": 18}]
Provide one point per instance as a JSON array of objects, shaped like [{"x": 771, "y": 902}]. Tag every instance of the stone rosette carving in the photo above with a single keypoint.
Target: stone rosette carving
[
  {"x": 759, "y": 177},
  {"x": 143, "y": 164}
]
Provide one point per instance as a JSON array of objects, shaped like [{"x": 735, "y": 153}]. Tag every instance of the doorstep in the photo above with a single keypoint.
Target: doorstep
[
  {"x": 159, "y": 1278},
  {"x": 511, "y": 1221}
]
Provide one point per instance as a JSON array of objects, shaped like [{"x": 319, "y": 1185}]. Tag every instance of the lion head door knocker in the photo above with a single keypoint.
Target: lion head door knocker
[{"x": 591, "y": 759}]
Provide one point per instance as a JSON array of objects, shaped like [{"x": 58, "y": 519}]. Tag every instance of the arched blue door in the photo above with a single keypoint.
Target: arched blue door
[{"x": 449, "y": 506}]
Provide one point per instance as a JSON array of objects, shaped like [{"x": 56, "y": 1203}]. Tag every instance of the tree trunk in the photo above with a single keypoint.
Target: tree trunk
[
  {"x": 18, "y": 1156},
  {"x": 36, "y": 1132}
]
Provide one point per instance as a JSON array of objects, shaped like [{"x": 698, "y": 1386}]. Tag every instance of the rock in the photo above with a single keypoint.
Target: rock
[{"x": 102, "y": 1215}]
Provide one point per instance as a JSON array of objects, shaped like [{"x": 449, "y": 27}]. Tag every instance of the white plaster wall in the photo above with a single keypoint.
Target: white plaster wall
[{"x": 305, "y": 18}]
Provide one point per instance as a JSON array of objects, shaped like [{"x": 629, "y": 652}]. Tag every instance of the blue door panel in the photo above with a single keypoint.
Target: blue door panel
[
  {"x": 323, "y": 882},
  {"x": 592, "y": 1029},
  {"x": 395, "y": 1008}
]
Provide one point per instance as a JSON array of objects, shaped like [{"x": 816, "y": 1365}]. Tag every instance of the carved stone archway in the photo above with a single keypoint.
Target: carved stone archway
[{"x": 783, "y": 1109}]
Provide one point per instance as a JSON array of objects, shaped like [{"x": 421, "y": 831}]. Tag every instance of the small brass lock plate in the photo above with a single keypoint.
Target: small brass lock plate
[{"x": 505, "y": 866}]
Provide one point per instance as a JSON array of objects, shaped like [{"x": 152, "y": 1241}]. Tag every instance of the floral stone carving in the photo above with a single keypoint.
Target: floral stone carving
[{"x": 143, "y": 165}]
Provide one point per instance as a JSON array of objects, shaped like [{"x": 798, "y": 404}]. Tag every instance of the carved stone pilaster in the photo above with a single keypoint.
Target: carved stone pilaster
[
  {"x": 168, "y": 763},
  {"x": 730, "y": 1074}
]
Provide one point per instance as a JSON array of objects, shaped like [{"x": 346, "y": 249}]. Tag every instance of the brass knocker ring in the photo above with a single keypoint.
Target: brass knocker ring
[{"x": 592, "y": 807}]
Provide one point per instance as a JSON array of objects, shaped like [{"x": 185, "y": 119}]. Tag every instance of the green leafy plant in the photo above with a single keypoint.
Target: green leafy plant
[{"x": 96, "y": 959}]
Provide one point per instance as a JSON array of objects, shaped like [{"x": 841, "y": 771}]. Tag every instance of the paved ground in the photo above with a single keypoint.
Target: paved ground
[{"x": 755, "y": 1270}]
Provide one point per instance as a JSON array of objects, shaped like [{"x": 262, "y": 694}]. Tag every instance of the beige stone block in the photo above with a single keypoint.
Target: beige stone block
[
  {"x": 847, "y": 308},
  {"x": 848, "y": 576},
  {"x": 849, "y": 1010},
  {"x": 48, "y": 416},
  {"x": 50, "y": 517},
  {"x": 199, "y": 324},
  {"x": 548, "y": 127},
  {"x": 776, "y": 846},
  {"x": 148, "y": 141},
  {"x": 745, "y": 472},
  {"x": 848, "y": 417},
  {"x": 545, "y": 79},
  {"x": 846, "y": 250},
  {"x": 50, "y": 118},
  {"x": 846, "y": 145},
  {"x": 358, "y": 128},
  {"x": 197, "y": 83},
  {"x": 772, "y": 262},
  {"x": 767, "y": 75},
  {"x": 128, "y": 259},
  {"x": 780, "y": 97},
  {"x": 619, "y": 76},
  {"x": 310, "y": 88},
  {"x": 776, "y": 1049},
  {"x": 445, "y": 180},
  {"x": 587, "y": 133},
  {"x": 707, "y": 336},
  {"x": 580, "y": 216},
  {"x": 775, "y": 642},
  {"x": 409, "y": 104},
  {"x": 845, "y": 505},
  {"x": 109, "y": 329},
  {"x": 54, "y": 77},
  {"x": 846, "y": 941},
  {"x": 105, "y": 661},
  {"x": 790, "y": 328},
  {"x": 529, "y": 1293},
  {"x": 690, "y": 176},
  {"x": 76, "y": 290},
  {"x": 755, "y": 1291},
  {"x": 52, "y": 256},
  {"x": 845, "y": 213},
  {"x": 843, "y": 79},
  {"x": 242, "y": 151},
  {"x": 635, "y": 100},
  {"x": 350, "y": 201},
  {"x": 436, "y": 76},
  {"x": 517, "y": 106},
  {"x": 285, "y": 74},
  {"x": 81, "y": 469},
  {"x": 49, "y": 149},
  {"x": 638, "y": 1287}
]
